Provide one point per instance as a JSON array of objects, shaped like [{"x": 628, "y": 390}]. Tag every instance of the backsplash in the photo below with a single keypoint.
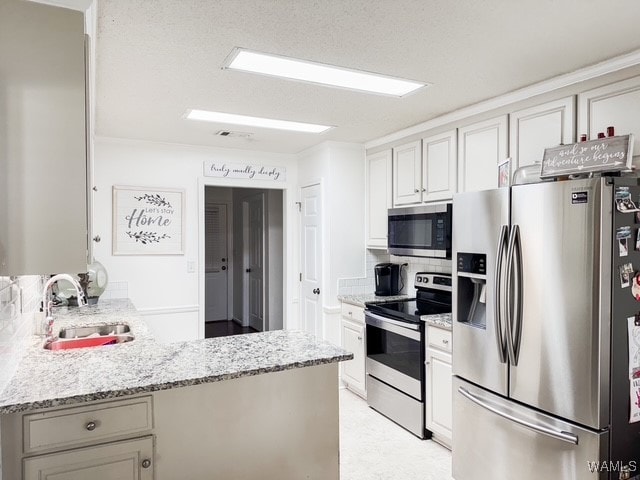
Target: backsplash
[
  {"x": 419, "y": 264},
  {"x": 115, "y": 290},
  {"x": 357, "y": 286},
  {"x": 19, "y": 299}
]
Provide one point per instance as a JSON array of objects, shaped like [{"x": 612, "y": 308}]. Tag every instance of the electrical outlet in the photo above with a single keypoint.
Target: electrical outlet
[{"x": 191, "y": 266}]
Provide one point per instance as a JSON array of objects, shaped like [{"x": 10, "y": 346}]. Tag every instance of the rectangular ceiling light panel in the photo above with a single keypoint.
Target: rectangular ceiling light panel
[
  {"x": 233, "y": 119},
  {"x": 291, "y": 68}
]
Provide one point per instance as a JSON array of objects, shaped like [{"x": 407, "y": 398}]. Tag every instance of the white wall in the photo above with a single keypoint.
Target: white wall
[
  {"x": 161, "y": 285},
  {"x": 340, "y": 168}
]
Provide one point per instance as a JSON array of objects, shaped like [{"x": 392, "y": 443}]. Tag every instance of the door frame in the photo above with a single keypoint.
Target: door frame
[
  {"x": 325, "y": 232},
  {"x": 289, "y": 266}
]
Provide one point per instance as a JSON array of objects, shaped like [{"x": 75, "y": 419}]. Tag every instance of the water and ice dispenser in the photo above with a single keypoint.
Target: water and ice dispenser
[{"x": 472, "y": 289}]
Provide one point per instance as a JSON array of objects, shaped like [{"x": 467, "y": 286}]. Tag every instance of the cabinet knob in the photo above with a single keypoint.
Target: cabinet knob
[
  {"x": 91, "y": 426},
  {"x": 359, "y": 337},
  {"x": 146, "y": 463},
  {"x": 417, "y": 191},
  {"x": 95, "y": 189},
  {"x": 350, "y": 313},
  {"x": 97, "y": 239},
  {"x": 446, "y": 342},
  {"x": 424, "y": 189}
]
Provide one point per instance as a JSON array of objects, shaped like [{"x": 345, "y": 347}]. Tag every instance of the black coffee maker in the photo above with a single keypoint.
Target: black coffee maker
[{"x": 387, "y": 277}]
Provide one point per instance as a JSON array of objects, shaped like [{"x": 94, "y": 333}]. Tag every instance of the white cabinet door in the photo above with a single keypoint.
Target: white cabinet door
[
  {"x": 128, "y": 460},
  {"x": 439, "y": 166},
  {"x": 614, "y": 105},
  {"x": 353, "y": 373},
  {"x": 379, "y": 198},
  {"x": 407, "y": 185},
  {"x": 439, "y": 395},
  {"x": 481, "y": 147},
  {"x": 533, "y": 129}
]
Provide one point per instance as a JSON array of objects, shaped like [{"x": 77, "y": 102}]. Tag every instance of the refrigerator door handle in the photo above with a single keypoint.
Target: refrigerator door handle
[
  {"x": 517, "y": 295},
  {"x": 557, "y": 434},
  {"x": 498, "y": 296},
  {"x": 510, "y": 296}
]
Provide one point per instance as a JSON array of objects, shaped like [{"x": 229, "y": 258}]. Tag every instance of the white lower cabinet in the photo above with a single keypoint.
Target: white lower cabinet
[
  {"x": 127, "y": 460},
  {"x": 98, "y": 441},
  {"x": 439, "y": 397},
  {"x": 353, "y": 340}
]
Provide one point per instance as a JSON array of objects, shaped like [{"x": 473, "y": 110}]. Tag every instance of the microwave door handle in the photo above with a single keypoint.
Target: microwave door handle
[
  {"x": 510, "y": 296},
  {"x": 498, "y": 302}
]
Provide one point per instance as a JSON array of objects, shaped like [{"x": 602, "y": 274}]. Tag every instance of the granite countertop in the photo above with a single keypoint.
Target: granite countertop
[
  {"x": 362, "y": 299},
  {"x": 442, "y": 320},
  {"x": 46, "y": 379}
]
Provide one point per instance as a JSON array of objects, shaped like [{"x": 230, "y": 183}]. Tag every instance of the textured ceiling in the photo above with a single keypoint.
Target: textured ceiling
[{"x": 157, "y": 58}]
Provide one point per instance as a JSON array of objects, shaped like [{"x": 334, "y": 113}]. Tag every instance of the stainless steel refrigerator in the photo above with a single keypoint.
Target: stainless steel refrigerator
[{"x": 540, "y": 357}]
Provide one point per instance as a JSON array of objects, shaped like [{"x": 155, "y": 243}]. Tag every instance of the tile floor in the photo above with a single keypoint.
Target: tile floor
[{"x": 372, "y": 447}]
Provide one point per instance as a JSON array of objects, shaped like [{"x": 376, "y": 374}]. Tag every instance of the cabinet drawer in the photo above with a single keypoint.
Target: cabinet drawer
[
  {"x": 69, "y": 426},
  {"x": 353, "y": 312},
  {"x": 439, "y": 338}
]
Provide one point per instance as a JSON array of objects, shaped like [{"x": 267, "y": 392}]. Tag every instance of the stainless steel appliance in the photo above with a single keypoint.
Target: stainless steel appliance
[
  {"x": 387, "y": 277},
  {"x": 395, "y": 349},
  {"x": 423, "y": 231},
  {"x": 540, "y": 364}
]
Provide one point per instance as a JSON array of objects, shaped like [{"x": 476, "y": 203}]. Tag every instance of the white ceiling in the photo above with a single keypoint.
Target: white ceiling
[{"x": 157, "y": 58}]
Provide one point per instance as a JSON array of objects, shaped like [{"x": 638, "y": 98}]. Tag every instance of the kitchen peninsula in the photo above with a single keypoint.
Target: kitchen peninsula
[{"x": 181, "y": 410}]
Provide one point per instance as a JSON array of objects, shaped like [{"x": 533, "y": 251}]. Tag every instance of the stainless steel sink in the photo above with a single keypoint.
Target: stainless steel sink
[
  {"x": 82, "y": 332},
  {"x": 90, "y": 336}
]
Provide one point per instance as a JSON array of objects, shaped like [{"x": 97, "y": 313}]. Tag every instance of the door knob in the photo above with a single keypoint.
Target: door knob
[
  {"x": 316, "y": 291},
  {"x": 248, "y": 270},
  {"x": 224, "y": 259},
  {"x": 146, "y": 463},
  {"x": 224, "y": 268}
]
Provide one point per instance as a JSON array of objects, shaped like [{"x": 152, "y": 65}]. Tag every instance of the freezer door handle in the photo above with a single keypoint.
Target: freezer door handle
[
  {"x": 557, "y": 434},
  {"x": 514, "y": 301},
  {"x": 498, "y": 296}
]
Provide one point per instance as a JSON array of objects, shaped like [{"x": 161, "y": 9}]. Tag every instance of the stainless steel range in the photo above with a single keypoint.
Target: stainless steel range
[{"x": 395, "y": 351}]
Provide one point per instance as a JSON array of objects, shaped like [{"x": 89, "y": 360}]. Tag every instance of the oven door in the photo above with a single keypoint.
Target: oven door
[{"x": 395, "y": 354}]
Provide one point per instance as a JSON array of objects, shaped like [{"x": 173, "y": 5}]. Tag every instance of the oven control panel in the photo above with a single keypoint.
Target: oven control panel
[{"x": 437, "y": 281}]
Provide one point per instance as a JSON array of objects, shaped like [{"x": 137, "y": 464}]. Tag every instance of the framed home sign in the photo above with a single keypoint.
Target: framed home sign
[{"x": 148, "y": 221}]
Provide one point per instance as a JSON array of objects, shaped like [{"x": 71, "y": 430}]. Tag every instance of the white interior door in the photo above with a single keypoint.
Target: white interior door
[
  {"x": 311, "y": 256},
  {"x": 254, "y": 248},
  {"x": 216, "y": 265}
]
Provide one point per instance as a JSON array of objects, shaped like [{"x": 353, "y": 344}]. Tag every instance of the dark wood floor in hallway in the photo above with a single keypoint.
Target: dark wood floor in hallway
[{"x": 224, "y": 328}]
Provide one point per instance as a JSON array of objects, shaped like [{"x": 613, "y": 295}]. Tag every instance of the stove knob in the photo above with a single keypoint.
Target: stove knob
[
  {"x": 418, "y": 279},
  {"x": 426, "y": 279}
]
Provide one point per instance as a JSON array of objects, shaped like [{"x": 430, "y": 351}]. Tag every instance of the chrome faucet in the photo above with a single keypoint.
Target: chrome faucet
[{"x": 47, "y": 323}]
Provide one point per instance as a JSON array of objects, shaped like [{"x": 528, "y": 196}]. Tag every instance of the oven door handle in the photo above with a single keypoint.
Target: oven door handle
[{"x": 409, "y": 330}]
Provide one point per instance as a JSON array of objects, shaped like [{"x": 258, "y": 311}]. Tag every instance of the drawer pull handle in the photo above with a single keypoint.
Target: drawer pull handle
[
  {"x": 91, "y": 426},
  {"x": 446, "y": 342},
  {"x": 146, "y": 463},
  {"x": 359, "y": 337}
]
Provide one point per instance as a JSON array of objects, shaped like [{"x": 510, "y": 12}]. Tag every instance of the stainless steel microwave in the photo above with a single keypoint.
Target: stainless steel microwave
[{"x": 422, "y": 231}]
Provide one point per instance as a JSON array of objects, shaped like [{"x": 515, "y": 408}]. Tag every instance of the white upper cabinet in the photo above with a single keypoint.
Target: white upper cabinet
[
  {"x": 481, "y": 147},
  {"x": 533, "y": 129},
  {"x": 407, "y": 166},
  {"x": 614, "y": 105},
  {"x": 439, "y": 166},
  {"x": 379, "y": 198}
]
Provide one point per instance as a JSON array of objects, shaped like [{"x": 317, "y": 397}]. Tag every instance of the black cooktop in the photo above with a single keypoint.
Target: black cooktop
[{"x": 411, "y": 310}]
